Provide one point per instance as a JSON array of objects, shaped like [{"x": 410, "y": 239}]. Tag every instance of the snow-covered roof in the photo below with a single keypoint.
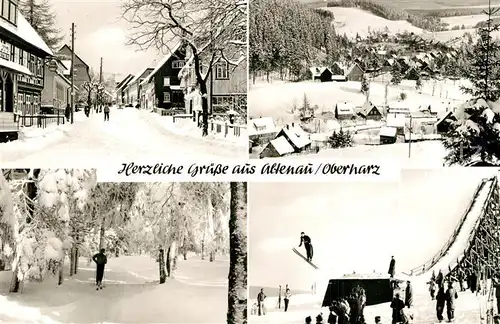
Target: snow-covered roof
[
  {"x": 297, "y": 136},
  {"x": 127, "y": 81},
  {"x": 395, "y": 120},
  {"x": 139, "y": 74},
  {"x": 282, "y": 146},
  {"x": 352, "y": 67},
  {"x": 367, "y": 107},
  {"x": 27, "y": 33},
  {"x": 388, "y": 131},
  {"x": 266, "y": 122},
  {"x": 163, "y": 61},
  {"x": 317, "y": 71},
  {"x": 399, "y": 105},
  {"x": 338, "y": 77},
  {"x": 76, "y": 55},
  {"x": 345, "y": 108},
  {"x": 67, "y": 65},
  {"x": 449, "y": 114}
]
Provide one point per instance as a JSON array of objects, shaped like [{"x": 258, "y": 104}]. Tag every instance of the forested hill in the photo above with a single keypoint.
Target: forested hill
[{"x": 287, "y": 35}]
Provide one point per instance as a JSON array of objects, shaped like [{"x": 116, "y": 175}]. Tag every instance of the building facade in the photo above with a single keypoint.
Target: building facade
[
  {"x": 22, "y": 63},
  {"x": 167, "y": 84},
  {"x": 120, "y": 90},
  {"x": 81, "y": 70},
  {"x": 135, "y": 85},
  {"x": 56, "y": 93}
]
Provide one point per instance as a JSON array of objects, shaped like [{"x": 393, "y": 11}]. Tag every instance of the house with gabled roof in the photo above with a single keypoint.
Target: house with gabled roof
[
  {"x": 168, "y": 92},
  {"x": 262, "y": 130},
  {"x": 345, "y": 110},
  {"x": 277, "y": 147},
  {"x": 443, "y": 125},
  {"x": 81, "y": 69},
  {"x": 354, "y": 73},
  {"x": 370, "y": 111},
  {"x": 121, "y": 98},
  {"x": 134, "y": 87},
  {"x": 323, "y": 74}
]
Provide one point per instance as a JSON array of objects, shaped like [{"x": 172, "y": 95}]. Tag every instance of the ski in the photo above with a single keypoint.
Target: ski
[{"x": 305, "y": 259}]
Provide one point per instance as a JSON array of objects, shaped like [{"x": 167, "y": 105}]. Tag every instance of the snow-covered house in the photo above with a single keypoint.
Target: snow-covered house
[
  {"x": 370, "y": 111},
  {"x": 22, "y": 58},
  {"x": 226, "y": 85},
  {"x": 262, "y": 130},
  {"x": 121, "y": 93},
  {"x": 134, "y": 87},
  {"x": 388, "y": 135},
  {"x": 56, "y": 93},
  {"x": 296, "y": 136},
  {"x": 345, "y": 110},
  {"x": 397, "y": 121},
  {"x": 443, "y": 124},
  {"x": 323, "y": 74},
  {"x": 165, "y": 77},
  {"x": 277, "y": 147},
  {"x": 354, "y": 73},
  {"x": 81, "y": 69},
  {"x": 399, "y": 108}
]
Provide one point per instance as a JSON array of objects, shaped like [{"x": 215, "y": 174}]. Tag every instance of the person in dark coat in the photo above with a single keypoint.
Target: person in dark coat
[
  {"x": 460, "y": 276},
  {"x": 100, "y": 259},
  {"x": 319, "y": 318},
  {"x": 67, "y": 112},
  {"x": 440, "y": 279},
  {"x": 332, "y": 318},
  {"x": 392, "y": 267},
  {"x": 440, "y": 302},
  {"x": 450, "y": 296},
  {"x": 106, "y": 112},
  {"x": 308, "y": 320},
  {"x": 307, "y": 245},
  {"x": 261, "y": 297},
  {"x": 473, "y": 281},
  {"x": 288, "y": 294},
  {"x": 432, "y": 289},
  {"x": 408, "y": 295},
  {"x": 397, "y": 306},
  {"x": 496, "y": 284}
]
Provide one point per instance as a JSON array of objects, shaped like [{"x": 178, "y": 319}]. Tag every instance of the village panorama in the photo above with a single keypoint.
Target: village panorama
[
  {"x": 373, "y": 79},
  {"x": 120, "y": 86}
]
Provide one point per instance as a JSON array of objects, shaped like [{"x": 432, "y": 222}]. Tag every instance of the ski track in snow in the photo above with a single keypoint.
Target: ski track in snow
[
  {"x": 129, "y": 135},
  {"x": 131, "y": 294}
]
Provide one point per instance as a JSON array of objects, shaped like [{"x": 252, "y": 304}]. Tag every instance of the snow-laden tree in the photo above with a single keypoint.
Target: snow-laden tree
[
  {"x": 42, "y": 18},
  {"x": 237, "y": 291},
  {"x": 210, "y": 30},
  {"x": 8, "y": 223},
  {"x": 476, "y": 134},
  {"x": 365, "y": 85}
]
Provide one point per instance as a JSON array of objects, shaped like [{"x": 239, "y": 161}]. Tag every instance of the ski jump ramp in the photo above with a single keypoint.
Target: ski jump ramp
[{"x": 453, "y": 251}]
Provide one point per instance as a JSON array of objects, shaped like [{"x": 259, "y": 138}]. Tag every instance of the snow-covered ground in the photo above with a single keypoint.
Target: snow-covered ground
[
  {"x": 356, "y": 227},
  {"x": 130, "y": 135},
  {"x": 131, "y": 295}
]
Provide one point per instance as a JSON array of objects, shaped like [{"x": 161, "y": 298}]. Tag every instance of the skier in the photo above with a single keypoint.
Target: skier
[
  {"x": 440, "y": 279},
  {"x": 288, "y": 294},
  {"x": 106, "y": 112},
  {"x": 307, "y": 244},
  {"x": 432, "y": 289},
  {"x": 440, "y": 302},
  {"x": 392, "y": 267},
  {"x": 100, "y": 259}
]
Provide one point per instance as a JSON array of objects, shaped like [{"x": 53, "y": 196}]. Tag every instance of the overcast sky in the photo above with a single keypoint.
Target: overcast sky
[
  {"x": 354, "y": 226},
  {"x": 100, "y": 33}
]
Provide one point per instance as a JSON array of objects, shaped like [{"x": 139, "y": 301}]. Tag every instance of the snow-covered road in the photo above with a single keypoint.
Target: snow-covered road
[
  {"x": 130, "y": 135},
  {"x": 131, "y": 295}
]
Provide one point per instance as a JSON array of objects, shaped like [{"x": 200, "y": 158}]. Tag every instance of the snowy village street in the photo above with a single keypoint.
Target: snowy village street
[
  {"x": 131, "y": 294},
  {"x": 130, "y": 135}
]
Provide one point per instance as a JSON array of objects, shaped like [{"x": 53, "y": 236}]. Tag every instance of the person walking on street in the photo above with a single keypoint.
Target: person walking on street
[
  {"x": 392, "y": 267},
  {"x": 100, "y": 259},
  {"x": 67, "y": 112},
  {"x": 261, "y": 297},
  {"x": 288, "y": 294},
  {"x": 106, "y": 112},
  {"x": 451, "y": 295},
  {"x": 307, "y": 245}
]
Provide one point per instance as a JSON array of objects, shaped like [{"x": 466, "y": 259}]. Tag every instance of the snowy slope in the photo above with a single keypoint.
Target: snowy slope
[{"x": 131, "y": 295}]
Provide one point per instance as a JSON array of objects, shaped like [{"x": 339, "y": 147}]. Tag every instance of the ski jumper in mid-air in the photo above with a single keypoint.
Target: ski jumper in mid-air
[{"x": 307, "y": 245}]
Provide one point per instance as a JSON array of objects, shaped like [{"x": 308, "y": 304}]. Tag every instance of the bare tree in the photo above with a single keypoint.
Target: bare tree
[{"x": 211, "y": 29}]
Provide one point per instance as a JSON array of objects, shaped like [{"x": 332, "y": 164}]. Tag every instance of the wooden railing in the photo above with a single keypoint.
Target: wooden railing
[
  {"x": 226, "y": 129},
  {"x": 429, "y": 264},
  {"x": 41, "y": 120}
]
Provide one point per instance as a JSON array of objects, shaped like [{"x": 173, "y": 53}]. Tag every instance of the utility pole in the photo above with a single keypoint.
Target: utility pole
[
  {"x": 100, "y": 72},
  {"x": 99, "y": 86},
  {"x": 72, "y": 72},
  {"x": 409, "y": 139}
]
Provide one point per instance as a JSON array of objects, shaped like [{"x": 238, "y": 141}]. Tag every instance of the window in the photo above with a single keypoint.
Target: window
[
  {"x": 12, "y": 52},
  {"x": 166, "y": 97},
  {"x": 221, "y": 104},
  {"x": 177, "y": 98},
  {"x": 221, "y": 71},
  {"x": 21, "y": 52},
  {"x": 166, "y": 81},
  {"x": 9, "y": 10},
  {"x": 178, "y": 64}
]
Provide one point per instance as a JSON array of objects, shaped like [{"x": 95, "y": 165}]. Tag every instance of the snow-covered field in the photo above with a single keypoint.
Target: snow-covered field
[
  {"x": 356, "y": 227},
  {"x": 130, "y": 134},
  {"x": 131, "y": 295},
  {"x": 347, "y": 21}
]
